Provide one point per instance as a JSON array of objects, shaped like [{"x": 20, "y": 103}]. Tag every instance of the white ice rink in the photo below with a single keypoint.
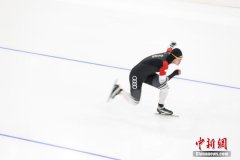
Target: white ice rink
[{"x": 59, "y": 59}]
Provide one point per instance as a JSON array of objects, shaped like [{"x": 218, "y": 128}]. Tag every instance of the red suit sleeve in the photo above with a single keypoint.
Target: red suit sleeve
[{"x": 162, "y": 71}]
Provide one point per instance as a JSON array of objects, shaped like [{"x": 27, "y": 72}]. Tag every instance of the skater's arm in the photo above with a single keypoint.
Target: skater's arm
[
  {"x": 164, "y": 79},
  {"x": 174, "y": 73}
]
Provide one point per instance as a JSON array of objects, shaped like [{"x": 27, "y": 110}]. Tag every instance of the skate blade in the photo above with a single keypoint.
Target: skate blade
[
  {"x": 167, "y": 115},
  {"x": 109, "y": 98}
]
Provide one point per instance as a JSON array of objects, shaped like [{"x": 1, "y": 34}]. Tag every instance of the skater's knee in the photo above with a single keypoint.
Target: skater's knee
[
  {"x": 164, "y": 88},
  {"x": 136, "y": 95},
  {"x": 135, "y": 102}
]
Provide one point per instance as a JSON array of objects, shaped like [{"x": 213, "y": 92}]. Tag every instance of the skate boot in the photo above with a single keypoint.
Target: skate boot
[
  {"x": 115, "y": 91},
  {"x": 162, "y": 110}
]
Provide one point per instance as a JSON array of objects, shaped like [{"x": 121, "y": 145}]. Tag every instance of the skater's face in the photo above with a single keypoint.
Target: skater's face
[{"x": 177, "y": 60}]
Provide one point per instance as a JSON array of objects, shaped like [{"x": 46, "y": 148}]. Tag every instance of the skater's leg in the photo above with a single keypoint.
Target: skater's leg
[
  {"x": 153, "y": 80},
  {"x": 129, "y": 98},
  {"x": 135, "y": 93},
  {"x": 163, "y": 93},
  {"x": 135, "y": 81},
  {"x": 136, "y": 78}
]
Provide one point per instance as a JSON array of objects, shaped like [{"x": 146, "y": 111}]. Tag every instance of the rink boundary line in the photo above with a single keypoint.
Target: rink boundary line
[
  {"x": 59, "y": 147},
  {"x": 109, "y": 66},
  {"x": 62, "y": 58},
  {"x": 209, "y": 83}
]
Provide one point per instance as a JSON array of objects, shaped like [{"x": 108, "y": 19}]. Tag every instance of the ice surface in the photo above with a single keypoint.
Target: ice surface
[{"x": 62, "y": 102}]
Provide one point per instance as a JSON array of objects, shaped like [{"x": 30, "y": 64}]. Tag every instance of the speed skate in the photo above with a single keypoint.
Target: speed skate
[{"x": 166, "y": 115}]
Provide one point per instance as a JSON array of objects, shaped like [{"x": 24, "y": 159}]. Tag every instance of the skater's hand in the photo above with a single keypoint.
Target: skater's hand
[
  {"x": 177, "y": 72},
  {"x": 174, "y": 73}
]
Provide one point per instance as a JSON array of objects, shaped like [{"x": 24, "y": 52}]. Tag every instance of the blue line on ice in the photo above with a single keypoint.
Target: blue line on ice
[
  {"x": 109, "y": 66},
  {"x": 59, "y": 147}
]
